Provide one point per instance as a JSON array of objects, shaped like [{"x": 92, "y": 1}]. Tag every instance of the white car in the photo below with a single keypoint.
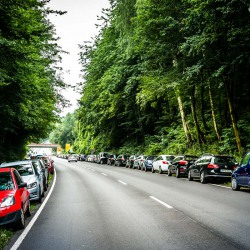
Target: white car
[
  {"x": 72, "y": 158},
  {"x": 161, "y": 163}
]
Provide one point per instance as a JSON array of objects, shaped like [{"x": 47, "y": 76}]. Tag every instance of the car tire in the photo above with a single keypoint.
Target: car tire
[
  {"x": 101, "y": 162},
  {"x": 153, "y": 170},
  {"x": 169, "y": 172},
  {"x": 20, "y": 224},
  {"x": 40, "y": 195},
  {"x": 177, "y": 175},
  {"x": 28, "y": 212},
  {"x": 190, "y": 178},
  {"x": 203, "y": 178},
  {"x": 234, "y": 184},
  {"x": 145, "y": 169},
  {"x": 160, "y": 170}
]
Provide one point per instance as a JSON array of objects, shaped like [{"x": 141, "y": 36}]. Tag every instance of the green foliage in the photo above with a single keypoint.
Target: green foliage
[
  {"x": 28, "y": 82},
  {"x": 167, "y": 77}
]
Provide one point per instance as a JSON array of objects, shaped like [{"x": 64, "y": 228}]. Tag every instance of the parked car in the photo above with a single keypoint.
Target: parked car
[
  {"x": 148, "y": 163},
  {"x": 180, "y": 165},
  {"x": 102, "y": 158},
  {"x": 111, "y": 159},
  {"x": 139, "y": 161},
  {"x": 41, "y": 167},
  {"x": 31, "y": 176},
  {"x": 121, "y": 160},
  {"x": 14, "y": 198},
  {"x": 72, "y": 158},
  {"x": 82, "y": 157},
  {"x": 130, "y": 161},
  {"x": 161, "y": 163},
  {"x": 241, "y": 176},
  {"x": 210, "y": 166}
]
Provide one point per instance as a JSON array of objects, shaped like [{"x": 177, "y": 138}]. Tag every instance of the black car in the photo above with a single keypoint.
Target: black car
[
  {"x": 102, "y": 158},
  {"x": 180, "y": 165},
  {"x": 210, "y": 166},
  {"x": 121, "y": 160}
]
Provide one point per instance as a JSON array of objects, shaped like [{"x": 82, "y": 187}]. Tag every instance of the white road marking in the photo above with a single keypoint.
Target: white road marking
[
  {"x": 92, "y": 170},
  {"x": 104, "y": 174},
  {"x": 122, "y": 182},
  {"x": 161, "y": 202},
  {"x": 30, "y": 225},
  {"x": 221, "y": 186}
]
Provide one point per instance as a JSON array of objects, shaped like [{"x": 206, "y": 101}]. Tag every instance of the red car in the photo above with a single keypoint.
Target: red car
[{"x": 14, "y": 198}]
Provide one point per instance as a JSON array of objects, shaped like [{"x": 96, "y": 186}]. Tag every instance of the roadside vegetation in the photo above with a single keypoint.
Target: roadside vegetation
[
  {"x": 29, "y": 85},
  {"x": 165, "y": 78}
]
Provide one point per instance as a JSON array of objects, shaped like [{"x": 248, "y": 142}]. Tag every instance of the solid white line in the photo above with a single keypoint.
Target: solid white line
[
  {"x": 27, "y": 229},
  {"x": 104, "y": 174},
  {"x": 221, "y": 186},
  {"x": 161, "y": 202},
  {"x": 122, "y": 182}
]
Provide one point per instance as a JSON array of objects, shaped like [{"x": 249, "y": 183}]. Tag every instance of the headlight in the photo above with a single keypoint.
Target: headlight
[
  {"x": 32, "y": 185},
  {"x": 8, "y": 201}
]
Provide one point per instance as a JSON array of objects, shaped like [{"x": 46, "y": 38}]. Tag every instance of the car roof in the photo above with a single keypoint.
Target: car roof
[{"x": 14, "y": 163}]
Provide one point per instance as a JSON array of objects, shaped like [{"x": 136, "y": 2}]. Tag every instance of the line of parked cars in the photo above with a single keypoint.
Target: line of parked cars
[
  {"x": 207, "y": 167},
  {"x": 22, "y": 182}
]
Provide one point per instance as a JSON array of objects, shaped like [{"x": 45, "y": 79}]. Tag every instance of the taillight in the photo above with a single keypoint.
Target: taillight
[
  {"x": 234, "y": 167},
  {"x": 183, "y": 162},
  {"x": 164, "y": 162},
  {"x": 122, "y": 159},
  {"x": 212, "y": 166}
]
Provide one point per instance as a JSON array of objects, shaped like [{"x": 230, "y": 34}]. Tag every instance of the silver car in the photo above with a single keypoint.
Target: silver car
[{"x": 31, "y": 175}]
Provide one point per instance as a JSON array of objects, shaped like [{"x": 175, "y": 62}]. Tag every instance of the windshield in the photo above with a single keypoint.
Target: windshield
[
  {"x": 24, "y": 170},
  {"x": 224, "y": 160},
  {"x": 6, "y": 182},
  {"x": 151, "y": 158}
]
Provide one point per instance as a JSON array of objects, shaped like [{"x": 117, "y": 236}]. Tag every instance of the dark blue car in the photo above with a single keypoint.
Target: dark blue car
[{"x": 241, "y": 176}]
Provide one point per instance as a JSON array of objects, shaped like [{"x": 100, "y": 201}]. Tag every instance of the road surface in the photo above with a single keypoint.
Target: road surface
[{"x": 105, "y": 207}]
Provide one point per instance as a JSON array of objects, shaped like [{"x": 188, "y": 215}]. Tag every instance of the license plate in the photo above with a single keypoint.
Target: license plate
[{"x": 226, "y": 171}]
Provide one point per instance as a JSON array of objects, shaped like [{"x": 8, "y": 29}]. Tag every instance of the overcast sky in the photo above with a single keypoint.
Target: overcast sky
[{"x": 75, "y": 27}]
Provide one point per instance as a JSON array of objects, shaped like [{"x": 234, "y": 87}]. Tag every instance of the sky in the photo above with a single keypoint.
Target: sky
[{"x": 73, "y": 28}]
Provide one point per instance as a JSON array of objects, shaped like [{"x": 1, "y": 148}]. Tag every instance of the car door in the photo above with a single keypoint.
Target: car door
[
  {"x": 195, "y": 170},
  {"x": 243, "y": 173},
  {"x": 157, "y": 162}
]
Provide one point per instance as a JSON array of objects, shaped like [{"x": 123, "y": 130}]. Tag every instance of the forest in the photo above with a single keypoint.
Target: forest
[
  {"x": 160, "y": 77},
  {"x": 166, "y": 77}
]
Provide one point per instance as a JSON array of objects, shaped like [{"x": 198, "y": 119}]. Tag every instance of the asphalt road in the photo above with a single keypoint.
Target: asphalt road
[{"x": 105, "y": 207}]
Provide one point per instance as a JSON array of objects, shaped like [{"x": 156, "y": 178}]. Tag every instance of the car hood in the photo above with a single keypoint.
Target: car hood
[
  {"x": 29, "y": 179},
  {"x": 5, "y": 193}
]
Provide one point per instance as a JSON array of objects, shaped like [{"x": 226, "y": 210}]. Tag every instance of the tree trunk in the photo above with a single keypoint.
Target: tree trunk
[
  {"x": 183, "y": 118},
  {"x": 200, "y": 135},
  {"x": 203, "y": 106},
  {"x": 233, "y": 119},
  {"x": 213, "y": 113}
]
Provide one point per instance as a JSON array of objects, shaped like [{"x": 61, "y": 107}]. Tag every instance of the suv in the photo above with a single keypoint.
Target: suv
[
  {"x": 210, "y": 166},
  {"x": 180, "y": 165},
  {"x": 102, "y": 158},
  {"x": 121, "y": 160},
  {"x": 241, "y": 176}
]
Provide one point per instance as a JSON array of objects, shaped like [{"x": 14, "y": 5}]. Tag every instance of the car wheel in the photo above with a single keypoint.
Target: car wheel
[
  {"x": 160, "y": 170},
  {"x": 190, "y": 178},
  {"x": 21, "y": 222},
  {"x": 177, "y": 175},
  {"x": 119, "y": 164},
  {"x": 28, "y": 212},
  {"x": 145, "y": 169},
  {"x": 169, "y": 172},
  {"x": 203, "y": 178},
  {"x": 234, "y": 184},
  {"x": 152, "y": 170},
  {"x": 101, "y": 162}
]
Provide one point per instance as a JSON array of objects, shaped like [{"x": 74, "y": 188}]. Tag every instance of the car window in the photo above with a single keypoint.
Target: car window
[
  {"x": 24, "y": 170},
  {"x": 6, "y": 182},
  {"x": 224, "y": 160},
  {"x": 18, "y": 178},
  {"x": 246, "y": 160}
]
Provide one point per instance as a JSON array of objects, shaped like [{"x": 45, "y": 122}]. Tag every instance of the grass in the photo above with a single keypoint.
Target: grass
[{"x": 6, "y": 232}]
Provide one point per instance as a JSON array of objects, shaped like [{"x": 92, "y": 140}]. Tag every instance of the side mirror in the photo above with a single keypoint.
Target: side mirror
[{"x": 22, "y": 185}]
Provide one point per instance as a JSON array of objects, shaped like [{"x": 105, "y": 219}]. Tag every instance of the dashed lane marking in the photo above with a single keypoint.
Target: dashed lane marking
[
  {"x": 122, "y": 182},
  {"x": 161, "y": 202}
]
